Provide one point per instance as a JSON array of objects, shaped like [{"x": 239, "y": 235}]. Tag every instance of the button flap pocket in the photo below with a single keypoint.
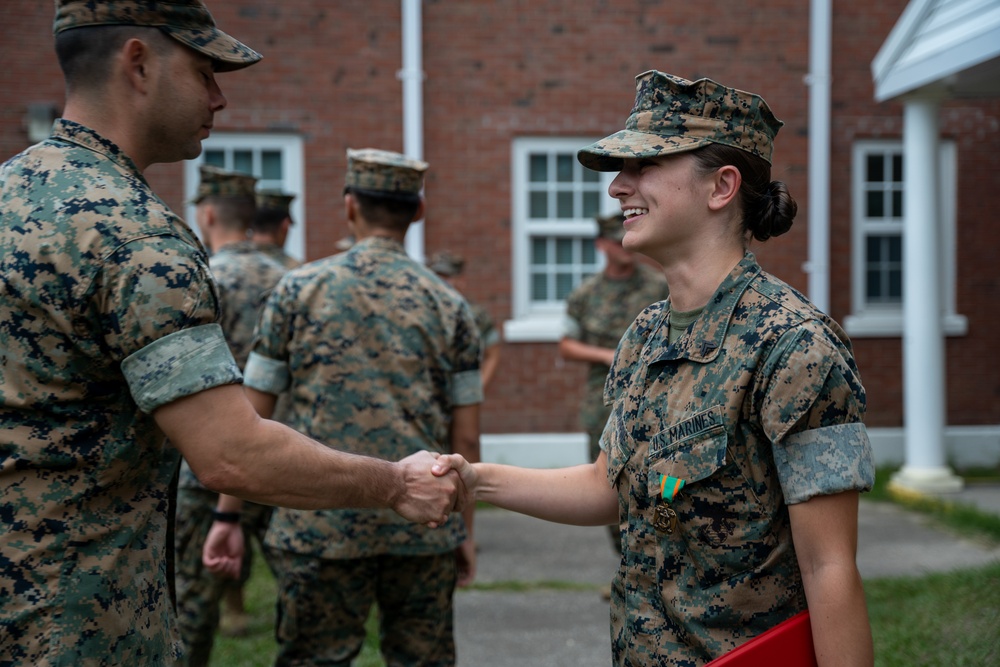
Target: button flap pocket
[{"x": 689, "y": 450}]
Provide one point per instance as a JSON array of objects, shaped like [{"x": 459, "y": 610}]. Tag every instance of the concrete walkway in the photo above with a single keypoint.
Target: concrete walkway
[{"x": 568, "y": 625}]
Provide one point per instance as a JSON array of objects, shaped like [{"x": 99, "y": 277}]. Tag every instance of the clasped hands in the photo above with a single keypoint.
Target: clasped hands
[{"x": 433, "y": 486}]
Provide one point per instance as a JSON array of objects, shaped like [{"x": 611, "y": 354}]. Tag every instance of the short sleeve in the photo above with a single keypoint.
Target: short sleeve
[
  {"x": 571, "y": 321},
  {"x": 150, "y": 288},
  {"x": 812, "y": 407},
  {"x": 180, "y": 364},
  {"x": 267, "y": 368},
  {"x": 466, "y": 377}
]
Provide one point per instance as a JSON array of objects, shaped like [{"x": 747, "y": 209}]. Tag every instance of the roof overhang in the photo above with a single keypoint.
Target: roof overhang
[{"x": 951, "y": 47}]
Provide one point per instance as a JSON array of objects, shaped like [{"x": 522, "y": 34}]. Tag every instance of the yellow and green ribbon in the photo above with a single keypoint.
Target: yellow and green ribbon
[{"x": 670, "y": 487}]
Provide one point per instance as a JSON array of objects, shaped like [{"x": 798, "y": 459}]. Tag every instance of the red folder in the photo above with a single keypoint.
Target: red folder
[{"x": 788, "y": 644}]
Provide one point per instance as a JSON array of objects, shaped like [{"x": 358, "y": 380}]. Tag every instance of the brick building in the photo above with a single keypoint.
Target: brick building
[{"x": 508, "y": 90}]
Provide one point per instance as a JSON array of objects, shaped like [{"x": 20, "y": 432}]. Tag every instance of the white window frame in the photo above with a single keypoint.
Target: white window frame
[
  {"x": 882, "y": 320},
  {"x": 293, "y": 177},
  {"x": 534, "y": 322}
]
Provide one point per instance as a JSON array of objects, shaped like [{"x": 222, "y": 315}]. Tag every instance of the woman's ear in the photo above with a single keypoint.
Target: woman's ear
[
  {"x": 726, "y": 183},
  {"x": 419, "y": 215}
]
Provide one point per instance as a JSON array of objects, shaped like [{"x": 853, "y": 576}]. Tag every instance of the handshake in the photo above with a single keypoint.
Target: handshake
[{"x": 434, "y": 486}]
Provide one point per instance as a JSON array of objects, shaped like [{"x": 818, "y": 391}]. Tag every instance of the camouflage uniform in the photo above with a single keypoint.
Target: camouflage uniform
[
  {"x": 244, "y": 275},
  {"x": 107, "y": 312},
  {"x": 488, "y": 334},
  {"x": 598, "y": 312},
  {"x": 278, "y": 255},
  {"x": 376, "y": 352},
  {"x": 757, "y": 406}
]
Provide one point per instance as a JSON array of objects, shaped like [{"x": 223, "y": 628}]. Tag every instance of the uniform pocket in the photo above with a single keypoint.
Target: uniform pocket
[{"x": 721, "y": 525}]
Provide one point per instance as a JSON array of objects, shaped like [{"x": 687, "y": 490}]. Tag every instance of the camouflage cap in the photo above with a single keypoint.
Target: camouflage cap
[
  {"x": 381, "y": 171},
  {"x": 445, "y": 263},
  {"x": 216, "y": 182},
  {"x": 187, "y": 21},
  {"x": 611, "y": 227},
  {"x": 274, "y": 199},
  {"x": 674, "y": 115}
]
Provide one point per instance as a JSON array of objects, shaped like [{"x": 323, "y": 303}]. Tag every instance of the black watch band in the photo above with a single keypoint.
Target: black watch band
[{"x": 226, "y": 517}]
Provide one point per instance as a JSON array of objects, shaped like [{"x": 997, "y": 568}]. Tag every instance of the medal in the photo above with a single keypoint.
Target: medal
[{"x": 666, "y": 518}]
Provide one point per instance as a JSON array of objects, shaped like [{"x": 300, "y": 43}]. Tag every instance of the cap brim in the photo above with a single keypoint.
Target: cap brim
[
  {"x": 608, "y": 153},
  {"x": 228, "y": 52}
]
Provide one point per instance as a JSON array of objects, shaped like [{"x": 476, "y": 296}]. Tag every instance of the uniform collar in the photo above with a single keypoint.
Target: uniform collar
[
  {"x": 702, "y": 342},
  {"x": 379, "y": 243},
  {"x": 72, "y": 132}
]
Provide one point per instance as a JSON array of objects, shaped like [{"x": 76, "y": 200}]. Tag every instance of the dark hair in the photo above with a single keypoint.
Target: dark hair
[
  {"x": 386, "y": 211},
  {"x": 268, "y": 219},
  {"x": 768, "y": 208},
  {"x": 85, "y": 53},
  {"x": 234, "y": 212}
]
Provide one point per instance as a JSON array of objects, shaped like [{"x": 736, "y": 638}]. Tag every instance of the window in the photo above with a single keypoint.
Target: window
[
  {"x": 275, "y": 159},
  {"x": 879, "y": 225},
  {"x": 555, "y": 201}
]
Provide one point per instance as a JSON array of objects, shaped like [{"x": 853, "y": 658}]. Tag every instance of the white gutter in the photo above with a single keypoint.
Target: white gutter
[
  {"x": 818, "y": 80},
  {"x": 412, "y": 76}
]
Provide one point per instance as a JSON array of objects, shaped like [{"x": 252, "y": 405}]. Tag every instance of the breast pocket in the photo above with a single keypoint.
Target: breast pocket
[{"x": 722, "y": 529}]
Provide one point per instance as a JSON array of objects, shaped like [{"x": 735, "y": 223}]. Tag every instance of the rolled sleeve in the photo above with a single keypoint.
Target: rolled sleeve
[
  {"x": 178, "y": 365},
  {"x": 265, "y": 374},
  {"x": 466, "y": 388},
  {"x": 571, "y": 328},
  {"x": 824, "y": 461}
]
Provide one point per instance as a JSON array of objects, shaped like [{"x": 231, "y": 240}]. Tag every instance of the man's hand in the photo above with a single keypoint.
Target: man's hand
[
  {"x": 428, "y": 498},
  {"x": 223, "y": 552}
]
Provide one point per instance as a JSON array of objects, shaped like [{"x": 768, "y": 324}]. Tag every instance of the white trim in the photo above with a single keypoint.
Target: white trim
[
  {"x": 967, "y": 447},
  {"x": 535, "y": 450},
  {"x": 875, "y": 321},
  {"x": 934, "y": 40},
  {"x": 534, "y": 322},
  {"x": 292, "y": 182}
]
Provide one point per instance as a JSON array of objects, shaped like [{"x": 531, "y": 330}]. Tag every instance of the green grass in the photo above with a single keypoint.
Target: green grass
[
  {"x": 938, "y": 620},
  {"x": 950, "y": 619}
]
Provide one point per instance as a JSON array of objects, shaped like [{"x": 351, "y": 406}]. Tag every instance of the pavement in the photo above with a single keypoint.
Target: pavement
[{"x": 546, "y": 610}]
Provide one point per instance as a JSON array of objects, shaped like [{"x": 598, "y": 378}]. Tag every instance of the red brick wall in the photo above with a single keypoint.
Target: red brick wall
[{"x": 496, "y": 71}]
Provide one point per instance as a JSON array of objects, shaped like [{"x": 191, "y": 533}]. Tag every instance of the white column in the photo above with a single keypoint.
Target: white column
[
  {"x": 818, "y": 80},
  {"x": 924, "y": 389},
  {"x": 412, "y": 76}
]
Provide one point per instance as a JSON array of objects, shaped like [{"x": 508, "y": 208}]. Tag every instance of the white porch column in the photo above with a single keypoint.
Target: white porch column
[
  {"x": 924, "y": 390},
  {"x": 412, "y": 76}
]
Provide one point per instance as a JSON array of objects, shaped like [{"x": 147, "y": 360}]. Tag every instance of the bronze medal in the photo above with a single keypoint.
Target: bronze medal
[{"x": 666, "y": 519}]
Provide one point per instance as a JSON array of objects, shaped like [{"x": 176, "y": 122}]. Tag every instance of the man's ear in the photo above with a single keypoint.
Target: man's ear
[
  {"x": 137, "y": 60},
  {"x": 350, "y": 207},
  {"x": 726, "y": 183}
]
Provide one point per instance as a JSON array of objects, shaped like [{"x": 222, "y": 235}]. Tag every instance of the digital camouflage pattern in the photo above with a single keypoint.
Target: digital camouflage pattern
[
  {"x": 275, "y": 199},
  {"x": 187, "y": 21},
  {"x": 673, "y": 115},
  {"x": 757, "y": 406},
  {"x": 244, "y": 276},
  {"x": 377, "y": 351},
  {"x": 382, "y": 171},
  {"x": 488, "y": 334},
  {"x": 216, "y": 182},
  {"x": 107, "y": 311},
  {"x": 598, "y": 312},
  {"x": 327, "y": 609},
  {"x": 279, "y": 255}
]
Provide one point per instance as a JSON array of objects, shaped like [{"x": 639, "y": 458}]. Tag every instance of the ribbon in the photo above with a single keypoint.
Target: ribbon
[{"x": 670, "y": 487}]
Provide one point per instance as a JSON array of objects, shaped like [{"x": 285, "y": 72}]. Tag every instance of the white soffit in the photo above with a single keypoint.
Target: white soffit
[{"x": 950, "y": 44}]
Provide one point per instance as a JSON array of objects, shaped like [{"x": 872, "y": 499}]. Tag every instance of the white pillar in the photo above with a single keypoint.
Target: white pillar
[
  {"x": 924, "y": 389},
  {"x": 412, "y": 76},
  {"x": 818, "y": 80}
]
